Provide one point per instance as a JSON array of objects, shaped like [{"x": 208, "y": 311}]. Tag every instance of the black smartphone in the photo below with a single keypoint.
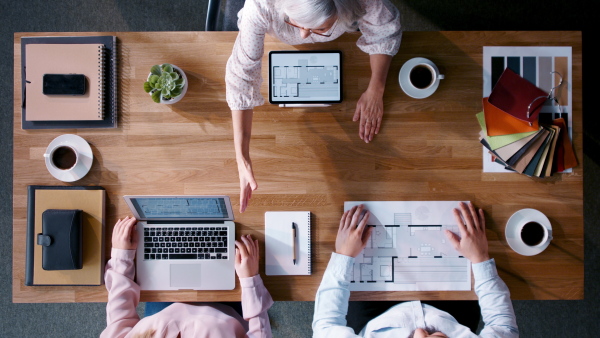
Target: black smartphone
[{"x": 64, "y": 84}]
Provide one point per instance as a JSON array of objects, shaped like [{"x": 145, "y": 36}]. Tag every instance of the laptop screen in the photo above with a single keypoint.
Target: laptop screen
[{"x": 180, "y": 207}]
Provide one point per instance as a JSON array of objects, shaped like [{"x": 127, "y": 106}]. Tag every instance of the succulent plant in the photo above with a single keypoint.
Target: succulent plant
[{"x": 164, "y": 82}]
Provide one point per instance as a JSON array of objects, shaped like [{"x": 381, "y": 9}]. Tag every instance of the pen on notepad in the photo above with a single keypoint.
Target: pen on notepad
[{"x": 294, "y": 242}]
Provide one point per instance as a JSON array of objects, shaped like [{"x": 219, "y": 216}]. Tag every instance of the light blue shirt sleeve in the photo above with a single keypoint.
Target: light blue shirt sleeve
[
  {"x": 331, "y": 303},
  {"x": 497, "y": 311}
]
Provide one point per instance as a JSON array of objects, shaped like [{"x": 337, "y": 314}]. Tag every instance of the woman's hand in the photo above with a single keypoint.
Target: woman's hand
[
  {"x": 369, "y": 110},
  {"x": 247, "y": 256},
  {"x": 124, "y": 234},
  {"x": 472, "y": 242},
  {"x": 247, "y": 183}
]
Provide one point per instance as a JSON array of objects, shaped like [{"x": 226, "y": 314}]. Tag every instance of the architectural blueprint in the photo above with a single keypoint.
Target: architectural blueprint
[
  {"x": 305, "y": 77},
  {"x": 408, "y": 250}
]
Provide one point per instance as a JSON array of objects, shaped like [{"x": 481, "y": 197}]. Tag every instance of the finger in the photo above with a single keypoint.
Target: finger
[
  {"x": 238, "y": 257},
  {"x": 366, "y": 235},
  {"x": 363, "y": 222},
  {"x": 372, "y": 130},
  {"x": 378, "y": 125},
  {"x": 343, "y": 219},
  {"x": 474, "y": 217},
  {"x": 453, "y": 239},
  {"x": 247, "y": 245},
  {"x": 356, "y": 113},
  {"x": 466, "y": 215},
  {"x": 459, "y": 222},
  {"x": 361, "y": 128},
  {"x": 349, "y": 216},
  {"x": 356, "y": 216},
  {"x": 242, "y": 249}
]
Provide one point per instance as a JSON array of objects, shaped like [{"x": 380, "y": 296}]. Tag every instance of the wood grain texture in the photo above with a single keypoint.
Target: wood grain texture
[{"x": 312, "y": 159}]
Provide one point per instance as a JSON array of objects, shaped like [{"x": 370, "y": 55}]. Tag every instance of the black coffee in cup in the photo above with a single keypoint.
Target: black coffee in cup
[
  {"x": 421, "y": 76},
  {"x": 532, "y": 233},
  {"x": 64, "y": 157}
]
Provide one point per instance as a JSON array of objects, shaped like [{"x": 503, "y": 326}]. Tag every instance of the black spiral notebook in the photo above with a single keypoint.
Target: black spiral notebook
[{"x": 109, "y": 105}]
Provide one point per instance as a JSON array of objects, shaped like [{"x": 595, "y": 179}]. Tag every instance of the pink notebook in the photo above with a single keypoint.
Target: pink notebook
[{"x": 86, "y": 59}]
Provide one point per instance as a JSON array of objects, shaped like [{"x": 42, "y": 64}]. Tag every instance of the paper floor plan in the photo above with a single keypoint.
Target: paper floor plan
[{"x": 408, "y": 250}]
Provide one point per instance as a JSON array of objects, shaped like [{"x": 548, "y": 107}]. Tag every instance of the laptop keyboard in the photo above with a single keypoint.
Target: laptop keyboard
[{"x": 194, "y": 242}]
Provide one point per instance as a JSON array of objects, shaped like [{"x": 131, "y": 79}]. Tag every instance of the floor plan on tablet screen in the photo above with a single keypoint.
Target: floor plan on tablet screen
[
  {"x": 305, "y": 77},
  {"x": 408, "y": 250}
]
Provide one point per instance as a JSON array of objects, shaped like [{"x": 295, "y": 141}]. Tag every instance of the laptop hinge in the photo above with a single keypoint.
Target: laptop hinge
[{"x": 185, "y": 222}]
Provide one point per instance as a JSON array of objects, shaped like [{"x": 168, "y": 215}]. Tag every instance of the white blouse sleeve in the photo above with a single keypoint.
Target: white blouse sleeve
[
  {"x": 243, "y": 73},
  {"x": 380, "y": 27}
]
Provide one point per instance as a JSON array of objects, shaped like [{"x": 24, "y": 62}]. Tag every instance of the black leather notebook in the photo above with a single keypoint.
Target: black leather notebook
[{"x": 61, "y": 239}]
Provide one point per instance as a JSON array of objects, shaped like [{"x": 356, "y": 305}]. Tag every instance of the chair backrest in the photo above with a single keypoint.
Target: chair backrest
[{"x": 221, "y": 15}]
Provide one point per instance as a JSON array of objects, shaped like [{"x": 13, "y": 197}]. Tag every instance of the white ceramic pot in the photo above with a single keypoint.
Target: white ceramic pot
[{"x": 183, "y": 91}]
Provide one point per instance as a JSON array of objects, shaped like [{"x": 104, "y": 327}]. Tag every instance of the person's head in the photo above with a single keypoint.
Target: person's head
[
  {"x": 427, "y": 332},
  {"x": 319, "y": 16}
]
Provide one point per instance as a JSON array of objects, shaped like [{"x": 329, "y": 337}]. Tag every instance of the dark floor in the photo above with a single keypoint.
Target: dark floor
[{"x": 292, "y": 319}]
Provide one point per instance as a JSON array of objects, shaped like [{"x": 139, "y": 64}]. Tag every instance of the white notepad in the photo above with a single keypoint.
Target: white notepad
[{"x": 279, "y": 242}]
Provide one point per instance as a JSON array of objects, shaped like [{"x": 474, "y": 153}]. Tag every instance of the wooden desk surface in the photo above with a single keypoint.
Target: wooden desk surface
[{"x": 313, "y": 159}]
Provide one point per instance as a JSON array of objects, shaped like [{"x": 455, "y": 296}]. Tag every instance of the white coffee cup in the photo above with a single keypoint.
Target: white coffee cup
[
  {"x": 63, "y": 157},
  {"x": 419, "y": 77},
  {"x": 528, "y": 232}
]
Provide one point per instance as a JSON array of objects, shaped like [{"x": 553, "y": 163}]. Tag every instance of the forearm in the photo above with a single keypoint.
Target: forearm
[
  {"x": 380, "y": 65},
  {"x": 242, "y": 132},
  {"x": 256, "y": 300},
  {"x": 123, "y": 293},
  {"x": 494, "y": 299},
  {"x": 331, "y": 303}
]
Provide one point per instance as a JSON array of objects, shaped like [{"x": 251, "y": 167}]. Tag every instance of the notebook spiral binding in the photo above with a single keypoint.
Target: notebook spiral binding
[
  {"x": 101, "y": 80},
  {"x": 113, "y": 81},
  {"x": 309, "y": 245}
]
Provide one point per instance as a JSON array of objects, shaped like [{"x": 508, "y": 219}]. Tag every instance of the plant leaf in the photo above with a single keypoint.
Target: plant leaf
[
  {"x": 176, "y": 92},
  {"x": 174, "y": 76},
  {"x": 165, "y": 92},
  {"x": 156, "y": 96},
  {"x": 147, "y": 87},
  {"x": 167, "y": 68},
  {"x": 155, "y": 70},
  {"x": 153, "y": 79}
]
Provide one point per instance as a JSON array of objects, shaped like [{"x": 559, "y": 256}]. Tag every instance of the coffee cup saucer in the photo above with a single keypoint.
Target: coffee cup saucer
[
  {"x": 513, "y": 236},
  {"x": 84, "y": 155},
  {"x": 409, "y": 89}
]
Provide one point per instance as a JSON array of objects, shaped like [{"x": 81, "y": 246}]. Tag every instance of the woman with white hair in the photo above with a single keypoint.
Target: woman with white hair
[{"x": 299, "y": 22}]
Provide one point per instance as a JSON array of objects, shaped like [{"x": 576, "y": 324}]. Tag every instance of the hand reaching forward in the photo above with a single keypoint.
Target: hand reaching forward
[
  {"x": 247, "y": 183},
  {"x": 124, "y": 234},
  {"x": 369, "y": 110},
  {"x": 472, "y": 242},
  {"x": 353, "y": 233},
  {"x": 247, "y": 256}
]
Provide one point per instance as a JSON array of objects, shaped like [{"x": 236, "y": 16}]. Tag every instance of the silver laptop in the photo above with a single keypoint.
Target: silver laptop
[{"x": 184, "y": 242}]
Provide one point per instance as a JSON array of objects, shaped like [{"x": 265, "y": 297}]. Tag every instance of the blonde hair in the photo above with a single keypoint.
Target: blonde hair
[{"x": 313, "y": 13}]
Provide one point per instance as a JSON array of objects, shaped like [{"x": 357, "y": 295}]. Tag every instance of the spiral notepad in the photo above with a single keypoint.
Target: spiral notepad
[
  {"x": 280, "y": 242},
  {"x": 86, "y": 59}
]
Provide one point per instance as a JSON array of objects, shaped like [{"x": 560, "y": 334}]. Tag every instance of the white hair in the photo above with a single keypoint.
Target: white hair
[{"x": 313, "y": 13}]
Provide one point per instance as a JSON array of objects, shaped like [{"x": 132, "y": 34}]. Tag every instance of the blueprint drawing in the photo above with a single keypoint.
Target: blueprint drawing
[{"x": 408, "y": 250}]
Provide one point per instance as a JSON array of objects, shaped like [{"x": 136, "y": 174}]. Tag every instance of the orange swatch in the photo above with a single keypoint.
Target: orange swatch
[{"x": 499, "y": 122}]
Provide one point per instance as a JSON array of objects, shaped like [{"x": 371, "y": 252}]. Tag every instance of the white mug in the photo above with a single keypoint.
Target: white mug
[
  {"x": 63, "y": 157},
  {"x": 419, "y": 77},
  {"x": 533, "y": 233}
]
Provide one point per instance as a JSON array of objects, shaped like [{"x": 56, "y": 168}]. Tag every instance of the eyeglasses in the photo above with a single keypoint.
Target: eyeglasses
[
  {"x": 551, "y": 96},
  {"x": 330, "y": 31}
]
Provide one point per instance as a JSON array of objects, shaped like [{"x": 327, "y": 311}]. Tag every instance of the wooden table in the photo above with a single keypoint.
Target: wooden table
[{"x": 313, "y": 159}]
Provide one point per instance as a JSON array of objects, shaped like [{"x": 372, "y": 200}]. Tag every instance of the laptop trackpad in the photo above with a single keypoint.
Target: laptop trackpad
[{"x": 185, "y": 275}]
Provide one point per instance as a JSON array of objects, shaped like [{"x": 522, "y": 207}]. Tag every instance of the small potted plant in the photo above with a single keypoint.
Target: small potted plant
[{"x": 166, "y": 83}]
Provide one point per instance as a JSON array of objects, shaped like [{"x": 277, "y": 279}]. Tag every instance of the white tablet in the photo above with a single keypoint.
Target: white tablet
[{"x": 305, "y": 77}]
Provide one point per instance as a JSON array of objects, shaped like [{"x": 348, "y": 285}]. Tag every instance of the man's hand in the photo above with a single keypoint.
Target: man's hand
[
  {"x": 124, "y": 234},
  {"x": 353, "y": 233},
  {"x": 472, "y": 242},
  {"x": 247, "y": 256},
  {"x": 247, "y": 183},
  {"x": 369, "y": 110}
]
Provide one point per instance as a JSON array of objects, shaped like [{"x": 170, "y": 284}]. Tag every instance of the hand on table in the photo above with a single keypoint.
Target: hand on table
[
  {"x": 247, "y": 255},
  {"x": 472, "y": 242},
  {"x": 353, "y": 232},
  {"x": 247, "y": 183},
  {"x": 369, "y": 110},
  {"x": 124, "y": 234}
]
